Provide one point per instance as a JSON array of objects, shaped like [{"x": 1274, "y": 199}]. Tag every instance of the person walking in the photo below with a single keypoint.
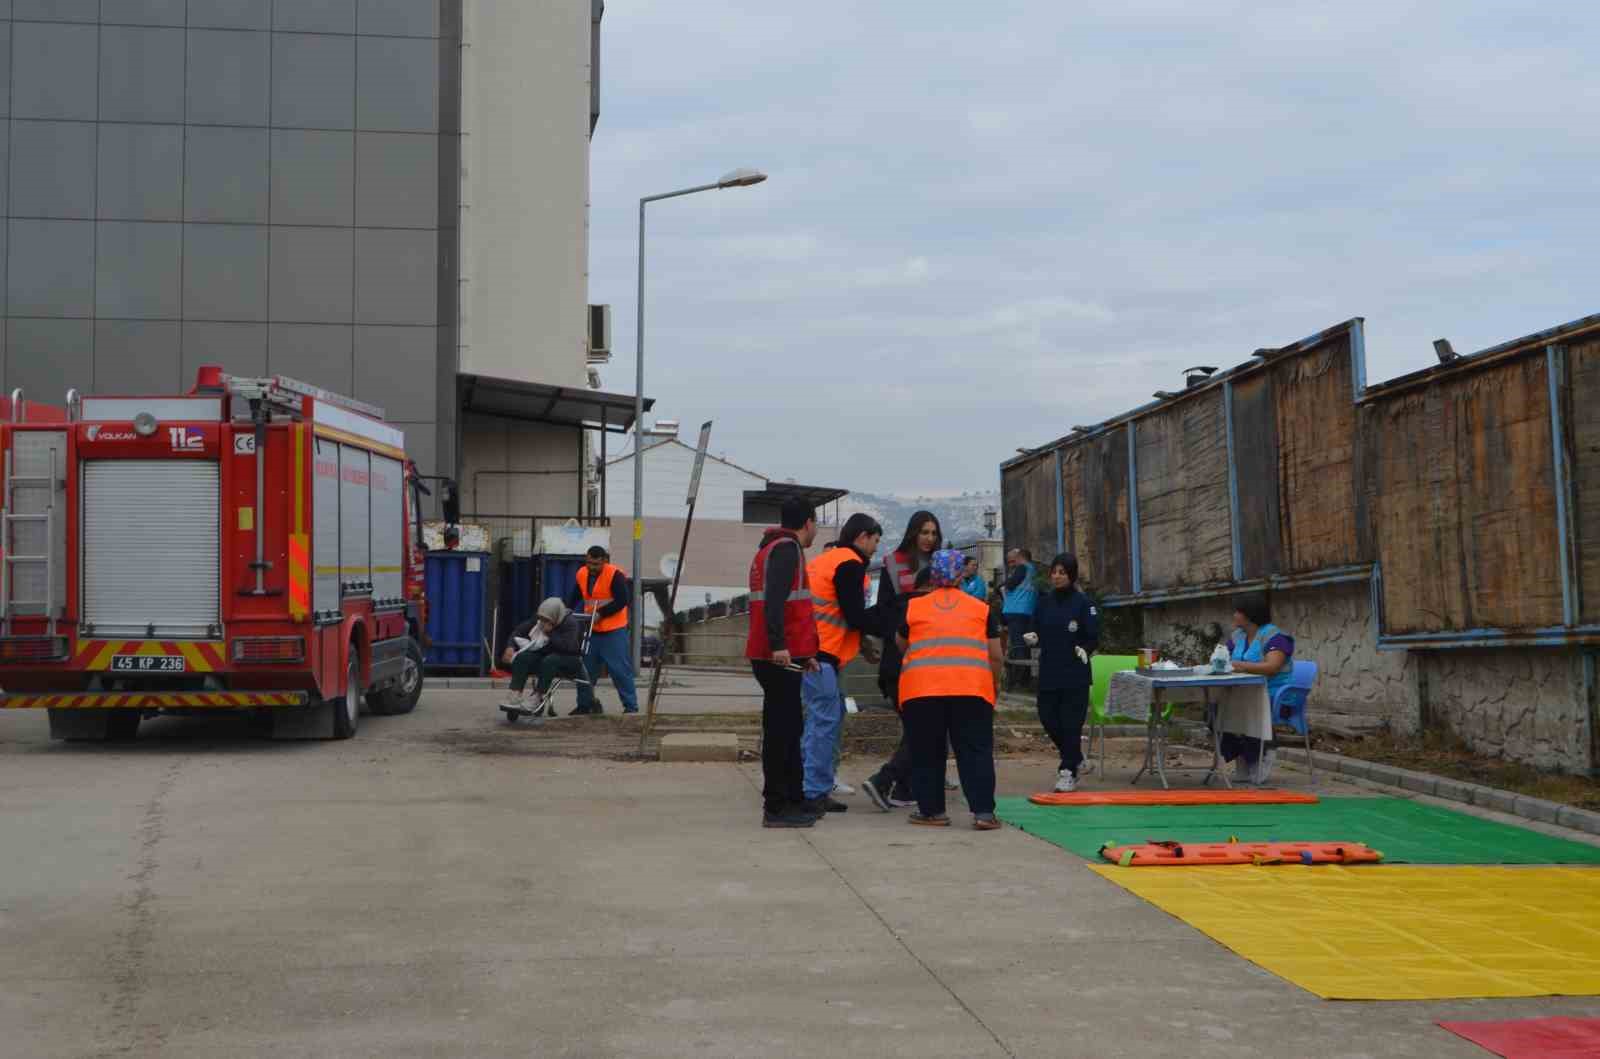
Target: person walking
[
  {"x": 1020, "y": 596},
  {"x": 838, "y": 580},
  {"x": 603, "y": 590},
  {"x": 560, "y": 654},
  {"x": 1066, "y": 626},
  {"x": 972, "y": 581},
  {"x": 781, "y": 646},
  {"x": 890, "y": 787},
  {"x": 951, "y": 667}
]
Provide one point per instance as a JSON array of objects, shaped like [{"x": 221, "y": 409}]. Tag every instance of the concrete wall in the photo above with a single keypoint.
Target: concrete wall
[
  {"x": 1526, "y": 705},
  {"x": 526, "y": 468},
  {"x": 525, "y": 189}
]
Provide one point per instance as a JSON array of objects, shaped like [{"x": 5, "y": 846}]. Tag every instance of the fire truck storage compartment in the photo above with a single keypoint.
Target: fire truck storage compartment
[
  {"x": 35, "y": 537},
  {"x": 359, "y": 528},
  {"x": 150, "y": 547},
  {"x": 457, "y": 609}
]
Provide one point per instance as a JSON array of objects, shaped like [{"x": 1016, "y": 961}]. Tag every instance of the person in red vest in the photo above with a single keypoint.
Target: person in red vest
[
  {"x": 782, "y": 645},
  {"x": 603, "y": 590},
  {"x": 839, "y": 593},
  {"x": 950, "y": 647}
]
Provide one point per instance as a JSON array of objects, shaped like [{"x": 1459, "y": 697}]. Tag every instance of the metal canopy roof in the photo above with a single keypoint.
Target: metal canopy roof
[
  {"x": 778, "y": 492},
  {"x": 538, "y": 403}
]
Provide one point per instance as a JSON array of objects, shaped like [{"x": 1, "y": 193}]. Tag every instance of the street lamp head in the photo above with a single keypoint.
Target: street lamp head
[{"x": 741, "y": 178}]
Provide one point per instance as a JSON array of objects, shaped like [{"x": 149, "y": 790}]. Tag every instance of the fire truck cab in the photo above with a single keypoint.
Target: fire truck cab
[{"x": 253, "y": 544}]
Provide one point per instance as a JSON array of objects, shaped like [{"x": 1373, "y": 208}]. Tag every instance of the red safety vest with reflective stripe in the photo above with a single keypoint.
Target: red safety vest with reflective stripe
[
  {"x": 947, "y": 653},
  {"x": 834, "y": 635},
  {"x": 902, "y": 573},
  {"x": 600, "y": 596},
  {"x": 799, "y": 617}
]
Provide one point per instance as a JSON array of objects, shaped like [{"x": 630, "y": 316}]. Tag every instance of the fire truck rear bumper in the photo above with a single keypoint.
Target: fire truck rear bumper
[{"x": 218, "y": 700}]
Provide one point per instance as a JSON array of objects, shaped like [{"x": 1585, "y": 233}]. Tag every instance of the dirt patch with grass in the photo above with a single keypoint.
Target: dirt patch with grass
[{"x": 1443, "y": 754}]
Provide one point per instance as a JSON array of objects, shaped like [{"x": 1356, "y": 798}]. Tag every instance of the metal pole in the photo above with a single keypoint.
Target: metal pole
[
  {"x": 636, "y": 623},
  {"x": 661, "y": 659}
]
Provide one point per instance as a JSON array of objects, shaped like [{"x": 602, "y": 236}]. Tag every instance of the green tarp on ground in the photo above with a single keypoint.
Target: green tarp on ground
[{"x": 1404, "y": 831}]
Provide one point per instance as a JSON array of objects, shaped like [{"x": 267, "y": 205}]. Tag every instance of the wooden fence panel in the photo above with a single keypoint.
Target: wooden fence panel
[
  {"x": 1255, "y": 449},
  {"x": 1182, "y": 466},
  {"x": 1465, "y": 506},
  {"x": 1583, "y": 412},
  {"x": 1316, "y": 426},
  {"x": 1074, "y": 484},
  {"x": 1028, "y": 505},
  {"x": 1105, "y": 522}
]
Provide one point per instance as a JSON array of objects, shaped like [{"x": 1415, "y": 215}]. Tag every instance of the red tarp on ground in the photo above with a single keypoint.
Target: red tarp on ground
[{"x": 1552, "y": 1038}]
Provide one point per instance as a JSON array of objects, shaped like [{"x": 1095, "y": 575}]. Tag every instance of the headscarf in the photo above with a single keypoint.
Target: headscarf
[
  {"x": 553, "y": 610},
  {"x": 947, "y": 566}
]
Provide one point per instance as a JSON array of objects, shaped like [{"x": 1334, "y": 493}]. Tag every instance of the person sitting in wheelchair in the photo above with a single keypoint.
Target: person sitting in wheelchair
[{"x": 548, "y": 646}]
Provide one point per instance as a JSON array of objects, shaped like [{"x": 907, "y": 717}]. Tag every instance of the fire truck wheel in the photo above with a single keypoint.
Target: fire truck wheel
[
  {"x": 403, "y": 697},
  {"x": 347, "y": 710}
]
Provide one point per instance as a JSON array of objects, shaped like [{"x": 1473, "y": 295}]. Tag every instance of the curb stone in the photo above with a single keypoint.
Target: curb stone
[{"x": 1509, "y": 802}]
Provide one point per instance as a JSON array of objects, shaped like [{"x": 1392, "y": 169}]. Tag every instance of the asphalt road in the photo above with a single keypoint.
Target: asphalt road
[{"x": 439, "y": 887}]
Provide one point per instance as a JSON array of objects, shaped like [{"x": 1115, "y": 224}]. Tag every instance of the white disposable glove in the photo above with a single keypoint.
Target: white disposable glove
[
  {"x": 1083, "y": 656},
  {"x": 1031, "y": 639}
]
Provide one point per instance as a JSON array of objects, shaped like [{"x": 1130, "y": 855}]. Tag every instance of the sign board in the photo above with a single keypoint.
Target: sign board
[{"x": 699, "y": 461}]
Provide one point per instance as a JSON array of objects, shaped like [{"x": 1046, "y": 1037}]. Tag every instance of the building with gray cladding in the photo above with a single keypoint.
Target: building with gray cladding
[{"x": 269, "y": 185}]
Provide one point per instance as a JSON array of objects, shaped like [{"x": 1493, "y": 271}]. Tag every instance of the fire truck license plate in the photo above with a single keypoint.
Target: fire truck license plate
[{"x": 148, "y": 664}]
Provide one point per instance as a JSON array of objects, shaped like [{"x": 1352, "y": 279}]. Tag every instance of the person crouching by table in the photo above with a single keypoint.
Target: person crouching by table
[
  {"x": 1260, "y": 648},
  {"x": 1066, "y": 627},
  {"x": 951, "y": 667},
  {"x": 560, "y": 655}
]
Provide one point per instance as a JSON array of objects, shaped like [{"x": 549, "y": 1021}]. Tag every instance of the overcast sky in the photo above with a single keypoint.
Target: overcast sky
[{"x": 988, "y": 222}]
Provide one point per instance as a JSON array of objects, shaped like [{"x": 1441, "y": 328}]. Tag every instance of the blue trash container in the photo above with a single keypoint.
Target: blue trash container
[{"x": 457, "y": 610}]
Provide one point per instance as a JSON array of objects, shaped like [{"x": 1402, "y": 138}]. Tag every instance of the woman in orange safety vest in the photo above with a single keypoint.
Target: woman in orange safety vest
[{"x": 951, "y": 666}]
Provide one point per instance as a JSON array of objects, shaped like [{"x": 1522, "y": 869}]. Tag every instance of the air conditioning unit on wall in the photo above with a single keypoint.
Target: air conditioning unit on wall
[{"x": 599, "y": 334}]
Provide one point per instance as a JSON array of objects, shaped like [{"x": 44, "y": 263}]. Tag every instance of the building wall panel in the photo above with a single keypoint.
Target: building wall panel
[
  {"x": 1583, "y": 415},
  {"x": 1255, "y": 451},
  {"x": 1105, "y": 484}
]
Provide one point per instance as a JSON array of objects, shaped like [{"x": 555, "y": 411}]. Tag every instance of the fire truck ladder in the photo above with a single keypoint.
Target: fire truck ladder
[{"x": 8, "y": 521}]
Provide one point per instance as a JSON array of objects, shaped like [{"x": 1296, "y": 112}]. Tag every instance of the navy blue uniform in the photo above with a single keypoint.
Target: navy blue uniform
[{"x": 1065, "y": 621}]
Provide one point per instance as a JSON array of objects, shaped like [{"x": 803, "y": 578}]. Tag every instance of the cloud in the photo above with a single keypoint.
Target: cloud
[{"x": 987, "y": 223}]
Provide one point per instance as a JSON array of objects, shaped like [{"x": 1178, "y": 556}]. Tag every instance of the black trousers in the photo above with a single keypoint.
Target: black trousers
[
  {"x": 966, "y": 725},
  {"x": 1062, "y": 712},
  {"x": 782, "y": 721}
]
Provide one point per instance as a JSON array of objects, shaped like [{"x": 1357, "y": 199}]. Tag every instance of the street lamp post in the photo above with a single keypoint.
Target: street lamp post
[{"x": 739, "y": 178}]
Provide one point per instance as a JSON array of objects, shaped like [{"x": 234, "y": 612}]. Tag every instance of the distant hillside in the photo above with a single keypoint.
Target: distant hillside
[{"x": 961, "y": 517}]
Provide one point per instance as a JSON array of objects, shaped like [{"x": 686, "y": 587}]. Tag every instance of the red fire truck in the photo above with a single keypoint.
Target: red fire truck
[{"x": 252, "y": 545}]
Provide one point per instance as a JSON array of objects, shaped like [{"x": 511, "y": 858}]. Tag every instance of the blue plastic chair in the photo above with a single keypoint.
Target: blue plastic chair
[{"x": 1289, "y": 706}]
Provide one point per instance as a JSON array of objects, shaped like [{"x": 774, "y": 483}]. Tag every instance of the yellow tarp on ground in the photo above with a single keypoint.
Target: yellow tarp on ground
[{"x": 1391, "y": 933}]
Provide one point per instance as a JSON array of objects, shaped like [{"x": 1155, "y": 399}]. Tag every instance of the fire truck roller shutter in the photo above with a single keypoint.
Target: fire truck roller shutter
[
  {"x": 355, "y": 515},
  {"x": 150, "y": 547},
  {"x": 325, "y": 527},
  {"x": 388, "y": 529}
]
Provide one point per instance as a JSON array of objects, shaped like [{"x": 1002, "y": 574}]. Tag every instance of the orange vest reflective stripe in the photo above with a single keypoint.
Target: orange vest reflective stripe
[
  {"x": 599, "y": 597},
  {"x": 947, "y": 653},
  {"x": 834, "y": 634}
]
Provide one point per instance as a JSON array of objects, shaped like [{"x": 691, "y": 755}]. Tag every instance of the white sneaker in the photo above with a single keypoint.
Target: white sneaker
[
  {"x": 1269, "y": 760},
  {"x": 840, "y": 787},
  {"x": 1066, "y": 782}
]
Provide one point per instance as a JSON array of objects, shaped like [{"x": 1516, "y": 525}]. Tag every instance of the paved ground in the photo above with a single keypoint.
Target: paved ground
[{"x": 417, "y": 893}]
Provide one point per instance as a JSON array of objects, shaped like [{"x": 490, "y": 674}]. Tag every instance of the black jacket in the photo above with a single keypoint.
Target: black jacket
[
  {"x": 565, "y": 639},
  {"x": 1054, "y": 617}
]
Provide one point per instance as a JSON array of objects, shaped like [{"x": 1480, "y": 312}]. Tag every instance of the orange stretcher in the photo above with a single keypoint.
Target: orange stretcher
[
  {"x": 1198, "y": 854},
  {"x": 1184, "y": 797}
]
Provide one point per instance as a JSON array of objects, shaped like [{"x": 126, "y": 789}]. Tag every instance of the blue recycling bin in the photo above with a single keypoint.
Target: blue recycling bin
[
  {"x": 519, "y": 596},
  {"x": 557, "y": 576},
  {"x": 457, "y": 610}
]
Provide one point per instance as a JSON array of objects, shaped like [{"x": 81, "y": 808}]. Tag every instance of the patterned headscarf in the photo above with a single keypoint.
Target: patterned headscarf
[{"x": 947, "y": 567}]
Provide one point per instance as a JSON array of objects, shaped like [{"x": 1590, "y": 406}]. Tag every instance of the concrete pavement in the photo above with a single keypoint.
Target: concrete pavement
[{"x": 414, "y": 893}]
